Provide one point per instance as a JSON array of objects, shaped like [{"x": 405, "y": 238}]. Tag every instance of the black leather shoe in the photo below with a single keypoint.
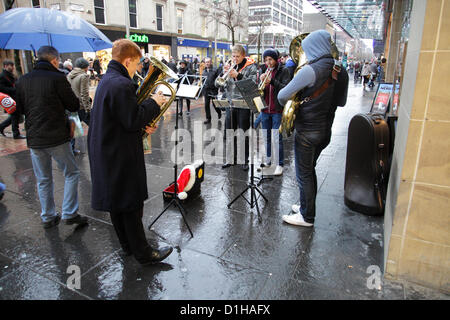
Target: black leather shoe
[
  {"x": 219, "y": 115},
  {"x": 207, "y": 121},
  {"x": 79, "y": 220},
  {"x": 51, "y": 223},
  {"x": 19, "y": 137},
  {"x": 158, "y": 255},
  {"x": 245, "y": 167},
  {"x": 1, "y": 131},
  {"x": 226, "y": 165}
]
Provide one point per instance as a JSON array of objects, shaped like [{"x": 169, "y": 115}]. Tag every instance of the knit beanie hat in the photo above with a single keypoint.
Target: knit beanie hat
[
  {"x": 81, "y": 63},
  {"x": 271, "y": 53}
]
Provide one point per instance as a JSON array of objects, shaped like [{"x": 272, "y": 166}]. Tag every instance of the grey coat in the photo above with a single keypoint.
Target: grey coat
[
  {"x": 79, "y": 80},
  {"x": 249, "y": 72}
]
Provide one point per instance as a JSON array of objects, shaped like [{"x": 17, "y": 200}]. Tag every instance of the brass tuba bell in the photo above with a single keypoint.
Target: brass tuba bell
[
  {"x": 157, "y": 73},
  {"x": 299, "y": 57}
]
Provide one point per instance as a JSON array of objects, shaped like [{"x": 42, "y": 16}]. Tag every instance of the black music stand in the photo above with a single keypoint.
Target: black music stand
[
  {"x": 175, "y": 200},
  {"x": 251, "y": 95}
]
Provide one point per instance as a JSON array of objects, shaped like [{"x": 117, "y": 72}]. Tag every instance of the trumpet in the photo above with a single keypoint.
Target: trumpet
[
  {"x": 262, "y": 84},
  {"x": 220, "y": 81}
]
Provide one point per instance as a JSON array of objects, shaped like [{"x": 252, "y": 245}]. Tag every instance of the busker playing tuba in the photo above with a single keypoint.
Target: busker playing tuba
[
  {"x": 315, "y": 84},
  {"x": 116, "y": 156},
  {"x": 245, "y": 68}
]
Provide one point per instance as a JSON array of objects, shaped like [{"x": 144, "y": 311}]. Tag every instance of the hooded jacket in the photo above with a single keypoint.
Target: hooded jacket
[
  {"x": 43, "y": 95},
  {"x": 317, "y": 114},
  {"x": 79, "y": 80}
]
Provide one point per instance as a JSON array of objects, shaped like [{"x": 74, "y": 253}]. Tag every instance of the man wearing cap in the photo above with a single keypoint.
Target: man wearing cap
[
  {"x": 79, "y": 80},
  {"x": 276, "y": 77}
]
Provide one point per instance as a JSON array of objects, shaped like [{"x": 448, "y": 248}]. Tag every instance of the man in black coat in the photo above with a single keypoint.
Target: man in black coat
[
  {"x": 209, "y": 89},
  {"x": 43, "y": 96},
  {"x": 7, "y": 86},
  {"x": 116, "y": 155}
]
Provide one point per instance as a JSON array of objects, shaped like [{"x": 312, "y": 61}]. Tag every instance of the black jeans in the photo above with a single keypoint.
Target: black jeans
[
  {"x": 180, "y": 105},
  {"x": 308, "y": 146},
  {"x": 237, "y": 119},
  {"x": 131, "y": 234},
  {"x": 208, "y": 99},
  {"x": 12, "y": 120}
]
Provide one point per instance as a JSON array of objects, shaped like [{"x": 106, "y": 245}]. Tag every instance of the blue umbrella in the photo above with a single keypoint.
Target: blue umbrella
[{"x": 31, "y": 28}]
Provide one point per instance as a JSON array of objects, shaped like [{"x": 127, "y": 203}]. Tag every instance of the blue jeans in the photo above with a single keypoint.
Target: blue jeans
[
  {"x": 308, "y": 146},
  {"x": 270, "y": 124},
  {"x": 42, "y": 166}
]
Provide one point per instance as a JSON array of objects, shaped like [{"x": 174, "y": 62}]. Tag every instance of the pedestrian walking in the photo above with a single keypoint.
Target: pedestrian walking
[
  {"x": 43, "y": 96},
  {"x": 8, "y": 86}
]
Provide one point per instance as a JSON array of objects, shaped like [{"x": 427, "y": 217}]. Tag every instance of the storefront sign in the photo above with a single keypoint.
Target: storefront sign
[
  {"x": 138, "y": 38},
  {"x": 382, "y": 97}
]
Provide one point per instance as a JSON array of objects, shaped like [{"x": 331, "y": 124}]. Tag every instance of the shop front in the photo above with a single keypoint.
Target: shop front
[{"x": 156, "y": 45}]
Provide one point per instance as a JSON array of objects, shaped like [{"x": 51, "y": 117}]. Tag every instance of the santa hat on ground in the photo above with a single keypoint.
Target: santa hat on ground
[{"x": 186, "y": 180}]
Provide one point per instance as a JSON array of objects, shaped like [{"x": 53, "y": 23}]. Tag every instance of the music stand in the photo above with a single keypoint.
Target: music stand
[
  {"x": 251, "y": 96},
  {"x": 175, "y": 200}
]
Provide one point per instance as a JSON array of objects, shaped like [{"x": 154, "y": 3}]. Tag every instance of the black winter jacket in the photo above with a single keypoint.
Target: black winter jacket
[
  {"x": 281, "y": 79},
  {"x": 42, "y": 96},
  {"x": 7, "y": 84}
]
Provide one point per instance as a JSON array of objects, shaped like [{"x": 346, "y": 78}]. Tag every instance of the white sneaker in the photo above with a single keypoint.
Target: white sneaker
[
  {"x": 278, "y": 171},
  {"x": 296, "y": 219},
  {"x": 296, "y": 208}
]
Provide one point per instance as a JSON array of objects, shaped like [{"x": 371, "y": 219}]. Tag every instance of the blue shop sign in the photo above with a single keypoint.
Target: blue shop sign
[{"x": 192, "y": 43}]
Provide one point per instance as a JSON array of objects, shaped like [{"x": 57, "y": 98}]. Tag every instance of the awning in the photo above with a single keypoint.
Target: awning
[{"x": 361, "y": 19}]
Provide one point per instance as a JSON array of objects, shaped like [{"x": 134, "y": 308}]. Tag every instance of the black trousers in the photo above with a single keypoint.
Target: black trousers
[
  {"x": 208, "y": 98},
  {"x": 238, "y": 119},
  {"x": 12, "y": 120},
  {"x": 131, "y": 234},
  {"x": 180, "y": 105}
]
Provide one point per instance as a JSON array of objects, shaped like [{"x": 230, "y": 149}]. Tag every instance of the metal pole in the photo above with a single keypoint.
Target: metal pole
[
  {"x": 215, "y": 34},
  {"x": 127, "y": 18}
]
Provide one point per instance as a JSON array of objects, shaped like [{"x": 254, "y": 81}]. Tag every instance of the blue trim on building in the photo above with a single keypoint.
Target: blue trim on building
[{"x": 192, "y": 43}]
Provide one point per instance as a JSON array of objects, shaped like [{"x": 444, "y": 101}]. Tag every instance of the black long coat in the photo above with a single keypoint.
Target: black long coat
[{"x": 115, "y": 148}]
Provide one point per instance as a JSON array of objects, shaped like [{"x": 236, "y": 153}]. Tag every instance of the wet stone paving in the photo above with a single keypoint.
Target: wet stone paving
[{"x": 232, "y": 255}]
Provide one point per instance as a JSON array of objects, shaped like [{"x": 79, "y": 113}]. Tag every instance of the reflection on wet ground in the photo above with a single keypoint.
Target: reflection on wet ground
[{"x": 231, "y": 256}]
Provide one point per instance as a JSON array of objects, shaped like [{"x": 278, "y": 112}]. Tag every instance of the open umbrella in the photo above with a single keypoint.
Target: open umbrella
[{"x": 31, "y": 28}]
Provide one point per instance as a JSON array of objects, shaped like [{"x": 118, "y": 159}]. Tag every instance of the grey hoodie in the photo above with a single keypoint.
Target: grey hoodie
[
  {"x": 315, "y": 45},
  {"x": 79, "y": 80}
]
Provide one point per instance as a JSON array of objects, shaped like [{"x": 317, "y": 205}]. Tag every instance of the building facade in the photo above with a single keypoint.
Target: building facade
[
  {"x": 273, "y": 24},
  {"x": 163, "y": 28}
]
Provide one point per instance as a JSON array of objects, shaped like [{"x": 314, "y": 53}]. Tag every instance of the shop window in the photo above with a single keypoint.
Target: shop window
[
  {"x": 35, "y": 4},
  {"x": 159, "y": 17},
  {"x": 180, "y": 20},
  {"x": 133, "y": 13},
  {"x": 99, "y": 8}
]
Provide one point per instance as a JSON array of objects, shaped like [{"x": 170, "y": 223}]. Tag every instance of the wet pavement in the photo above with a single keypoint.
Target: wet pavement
[{"x": 231, "y": 256}]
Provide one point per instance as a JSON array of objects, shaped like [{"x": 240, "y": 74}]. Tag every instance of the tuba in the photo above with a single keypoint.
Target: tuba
[
  {"x": 298, "y": 55},
  {"x": 157, "y": 73}
]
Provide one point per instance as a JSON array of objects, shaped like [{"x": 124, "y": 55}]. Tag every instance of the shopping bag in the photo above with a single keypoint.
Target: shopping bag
[{"x": 78, "y": 132}]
